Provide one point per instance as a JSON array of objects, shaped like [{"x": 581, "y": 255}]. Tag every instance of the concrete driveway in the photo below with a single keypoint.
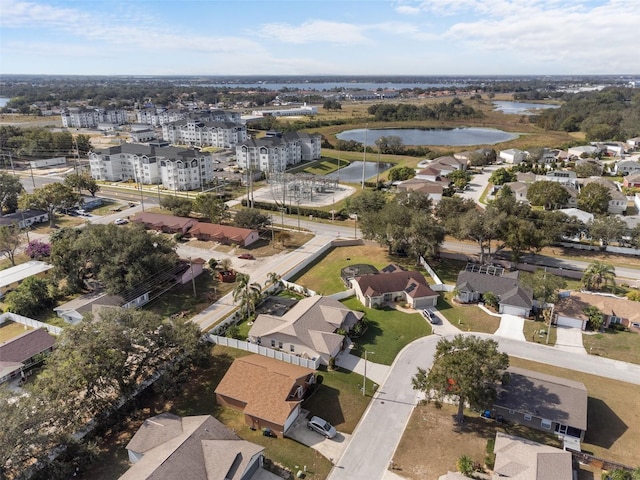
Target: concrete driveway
[
  {"x": 511, "y": 326},
  {"x": 569, "y": 339},
  {"x": 331, "y": 448}
]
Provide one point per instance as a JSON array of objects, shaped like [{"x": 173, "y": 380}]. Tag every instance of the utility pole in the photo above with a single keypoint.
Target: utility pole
[{"x": 364, "y": 157}]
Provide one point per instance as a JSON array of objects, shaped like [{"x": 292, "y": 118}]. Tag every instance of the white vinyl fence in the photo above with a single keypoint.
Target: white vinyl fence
[
  {"x": 265, "y": 351},
  {"x": 29, "y": 322}
]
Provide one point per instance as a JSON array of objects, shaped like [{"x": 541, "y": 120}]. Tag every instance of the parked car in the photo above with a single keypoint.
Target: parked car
[
  {"x": 429, "y": 315},
  {"x": 246, "y": 256},
  {"x": 83, "y": 212},
  {"x": 121, "y": 221},
  {"x": 322, "y": 427}
]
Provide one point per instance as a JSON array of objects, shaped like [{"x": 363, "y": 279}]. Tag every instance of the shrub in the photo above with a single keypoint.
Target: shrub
[
  {"x": 464, "y": 464},
  {"x": 38, "y": 250}
]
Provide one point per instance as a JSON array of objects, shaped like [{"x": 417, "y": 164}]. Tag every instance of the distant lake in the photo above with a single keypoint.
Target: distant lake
[
  {"x": 320, "y": 86},
  {"x": 4, "y": 101},
  {"x": 433, "y": 136},
  {"x": 521, "y": 108},
  {"x": 353, "y": 172}
]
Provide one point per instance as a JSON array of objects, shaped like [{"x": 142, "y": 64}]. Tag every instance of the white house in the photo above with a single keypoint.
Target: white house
[
  {"x": 11, "y": 278},
  {"x": 512, "y": 155},
  {"x": 24, "y": 218},
  {"x": 589, "y": 150},
  {"x": 625, "y": 167}
]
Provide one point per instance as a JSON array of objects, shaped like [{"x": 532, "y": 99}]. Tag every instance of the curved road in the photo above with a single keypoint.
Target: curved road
[{"x": 380, "y": 429}]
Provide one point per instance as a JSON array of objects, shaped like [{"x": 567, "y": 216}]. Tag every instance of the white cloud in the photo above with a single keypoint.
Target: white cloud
[
  {"x": 315, "y": 31},
  {"x": 407, "y": 10}
]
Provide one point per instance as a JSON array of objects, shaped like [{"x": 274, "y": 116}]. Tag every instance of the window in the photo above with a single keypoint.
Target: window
[
  {"x": 546, "y": 424},
  {"x": 273, "y": 343},
  {"x": 614, "y": 319},
  {"x": 292, "y": 347},
  {"x": 527, "y": 417},
  {"x": 280, "y": 345}
]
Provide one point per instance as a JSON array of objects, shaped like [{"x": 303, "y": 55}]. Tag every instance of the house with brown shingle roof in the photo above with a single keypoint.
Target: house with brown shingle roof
[
  {"x": 521, "y": 459},
  {"x": 23, "y": 351},
  {"x": 269, "y": 392},
  {"x": 167, "y": 447},
  {"x": 394, "y": 284},
  {"x": 570, "y": 310},
  {"x": 544, "y": 402},
  {"x": 433, "y": 189},
  {"x": 164, "y": 223},
  {"x": 225, "y": 234},
  {"x": 307, "y": 329}
]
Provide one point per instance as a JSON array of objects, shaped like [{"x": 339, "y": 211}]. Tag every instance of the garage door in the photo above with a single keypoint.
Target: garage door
[
  {"x": 292, "y": 417},
  {"x": 571, "y": 322},
  {"x": 511, "y": 310}
]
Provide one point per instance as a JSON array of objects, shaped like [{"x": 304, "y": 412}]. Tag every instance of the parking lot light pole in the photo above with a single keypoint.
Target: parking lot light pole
[{"x": 364, "y": 381}]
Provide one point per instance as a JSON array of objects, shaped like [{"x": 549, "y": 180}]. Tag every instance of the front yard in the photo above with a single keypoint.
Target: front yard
[
  {"x": 467, "y": 317},
  {"x": 615, "y": 344},
  {"x": 388, "y": 331}
]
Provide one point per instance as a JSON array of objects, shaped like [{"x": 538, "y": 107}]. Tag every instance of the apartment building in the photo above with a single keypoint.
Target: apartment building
[
  {"x": 277, "y": 152},
  {"x": 174, "y": 168},
  {"x": 91, "y": 117},
  {"x": 159, "y": 116},
  {"x": 204, "y": 133}
]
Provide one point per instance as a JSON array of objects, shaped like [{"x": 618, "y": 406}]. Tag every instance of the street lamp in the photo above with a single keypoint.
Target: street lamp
[{"x": 364, "y": 381}]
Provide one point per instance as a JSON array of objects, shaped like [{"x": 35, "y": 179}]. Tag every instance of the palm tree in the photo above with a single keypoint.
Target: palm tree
[
  {"x": 598, "y": 275},
  {"x": 274, "y": 279},
  {"x": 246, "y": 293}
]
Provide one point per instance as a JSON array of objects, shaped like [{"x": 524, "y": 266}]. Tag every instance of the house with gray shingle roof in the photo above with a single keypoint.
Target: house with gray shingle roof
[
  {"x": 23, "y": 351},
  {"x": 394, "y": 284},
  {"x": 167, "y": 447},
  {"x": 513, "y": 298},
  {"x": 307, "y": 329}
]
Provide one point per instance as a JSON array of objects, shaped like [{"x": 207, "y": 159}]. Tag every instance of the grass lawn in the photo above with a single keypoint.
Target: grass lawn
[
  {"x": 614, "y": 428},
  {"x": 532, "y": 332},
  {"x": 467, "y": 317},
  {"x": 388, "y": 331},
  {"x": 614, "y": 344},
  {"x": 196, "y": 397},
  {"x": 448, "y": 269},
  {"x": 321, "y": 167},
  {"x": 339, "y": 399},
  {"x": 323, "y": 275},
  {"x": 9, "y": 330}
]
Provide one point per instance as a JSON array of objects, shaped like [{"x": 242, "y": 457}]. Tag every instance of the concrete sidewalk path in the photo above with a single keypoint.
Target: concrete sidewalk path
[{"x": 376, "y": 372}]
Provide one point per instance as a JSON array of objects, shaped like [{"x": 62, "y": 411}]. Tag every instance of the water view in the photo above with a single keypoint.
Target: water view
[
  {"x": 323, "y": 86},
  {"x": 434, "y": 136},
  {"x": 4, "y": 101},
  {"x": 521, "y": 108},
  {"x": 353, "y": 172}
]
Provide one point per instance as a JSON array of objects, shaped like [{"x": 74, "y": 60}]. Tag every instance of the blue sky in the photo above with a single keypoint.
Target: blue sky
[{"x": 313, "y": 37}]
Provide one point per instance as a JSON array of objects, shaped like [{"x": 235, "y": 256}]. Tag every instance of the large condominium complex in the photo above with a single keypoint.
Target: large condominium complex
[
  {"x": 91, "y": 117},
  {"x": 174, "y": 168},
  {"x": 204, "y": 133},
  {"x": 276, "y": 152},
  {"x": 160, "y": 116}
]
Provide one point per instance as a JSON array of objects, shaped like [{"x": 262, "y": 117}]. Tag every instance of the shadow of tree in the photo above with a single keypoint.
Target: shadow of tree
[{"x": 604, "y": 426}]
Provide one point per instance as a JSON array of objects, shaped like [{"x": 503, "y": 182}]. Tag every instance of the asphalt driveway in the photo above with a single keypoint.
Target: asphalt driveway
[{"x": 569, "y": 339}]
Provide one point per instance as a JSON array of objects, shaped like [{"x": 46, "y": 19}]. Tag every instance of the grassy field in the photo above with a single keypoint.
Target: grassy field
[
  {"x": 613, "y": 428},
  {"x": 388, "y": 331},
  {"x": 467, "y": 317},
  {"x": 624, "y": 346},
  {"x": 9, "y": 330},
  {"x": 321, "y": 167},
  {"x": 324, "y": 274}
]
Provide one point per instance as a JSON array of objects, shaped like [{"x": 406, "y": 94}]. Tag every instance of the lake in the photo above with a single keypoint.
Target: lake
[
  {"x": 323, "y": 86},
  {"x": 521, "y": 108},
  {"x": 465, "y": 136},
  {"x": 4, "y": 101},
  {"x": 353, "y": 172}
]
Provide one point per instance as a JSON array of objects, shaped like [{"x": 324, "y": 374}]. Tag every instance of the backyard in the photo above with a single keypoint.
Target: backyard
[{"x": 613, "y": 428}]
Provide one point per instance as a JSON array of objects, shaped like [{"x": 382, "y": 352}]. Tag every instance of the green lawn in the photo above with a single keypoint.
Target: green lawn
[
  {"x": 624, "y": 346},
  {"x": 388, "y": 331},
  {"x": 321, "y": 167},
  {"x": 323, "y": 275},
  {"x": 448, "y": 269},
  {"x": 533, "y": 332},
  {"x": 467, "y": 317}
]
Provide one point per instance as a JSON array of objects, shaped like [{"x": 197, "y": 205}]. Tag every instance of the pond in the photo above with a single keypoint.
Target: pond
[
  {"x": 521, "y": 108},
  {"x": 353, "y": 173},
  {"x": 464, "y": 136}
]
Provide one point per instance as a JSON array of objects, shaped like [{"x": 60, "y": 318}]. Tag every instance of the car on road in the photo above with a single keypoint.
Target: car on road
[
  {"x": 246, "y": 256},
  {"x": 121, "y": 221},
  {"x": 429, "y": 315},
  {"x": 322, "y": 427}
]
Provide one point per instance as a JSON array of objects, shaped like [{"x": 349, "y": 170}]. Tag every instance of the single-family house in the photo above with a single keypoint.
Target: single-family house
[
  {"x": 431, "y": 174},
  {"x": 625, "y": 167},
  {"x": 588, "y": 150},
  {"x": 448, "y": 164},
  {"x": 167, "y": 447},
  {"x": 519, "y": 190},
  {"x": 513, "y": 298},
  {"x": 543, "y": 402},
  {"x": 618, "y": 202},
  {"x": 24, "y": 218},
  {"x": 632, "y": 180},
  {"x": 569, "y": 310},
  {"x": 165, "y": 223},
  {"x": 11, "y": 278},
  {"x": 225, "y": 234},
  {"x": 22, "y": 352},
  {"x": 393, "y": 284},
  {"x": 267, "y": 391},
  {"x": 522, "y": 459},
  {"x": 634, "y": 142},
  {"x": 512, "y": 156},
  {"x": 308, "y": 329},
  {"x": 433, "y": 189},
  {"x": 526, "y": 177}
]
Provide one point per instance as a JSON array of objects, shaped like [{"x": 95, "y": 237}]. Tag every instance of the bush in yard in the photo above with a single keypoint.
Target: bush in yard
[
  {"x": 464, "y": 464},
  {"x": 38, "y": 250},
  {"x": 490, "y": 299}
]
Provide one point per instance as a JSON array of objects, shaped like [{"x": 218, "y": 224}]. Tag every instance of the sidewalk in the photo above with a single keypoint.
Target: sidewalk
[{"x": 376, "y": 372}]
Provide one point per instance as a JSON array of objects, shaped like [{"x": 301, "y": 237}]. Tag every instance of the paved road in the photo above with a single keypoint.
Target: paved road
[{"x": 379, "y": 431}]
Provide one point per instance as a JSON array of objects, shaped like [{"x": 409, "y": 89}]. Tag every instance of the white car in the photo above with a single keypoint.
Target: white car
[
  {"x": 322, "y": 427},
  {"x": 121, "y": 221}
]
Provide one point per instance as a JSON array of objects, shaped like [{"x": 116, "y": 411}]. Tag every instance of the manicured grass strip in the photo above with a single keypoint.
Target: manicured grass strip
[
  {"x": 321, "y": 167},
  {"x": 624, "y": 346},
  {"x": 388, "y": 331},
  {"x": 467, "y": 317}
]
